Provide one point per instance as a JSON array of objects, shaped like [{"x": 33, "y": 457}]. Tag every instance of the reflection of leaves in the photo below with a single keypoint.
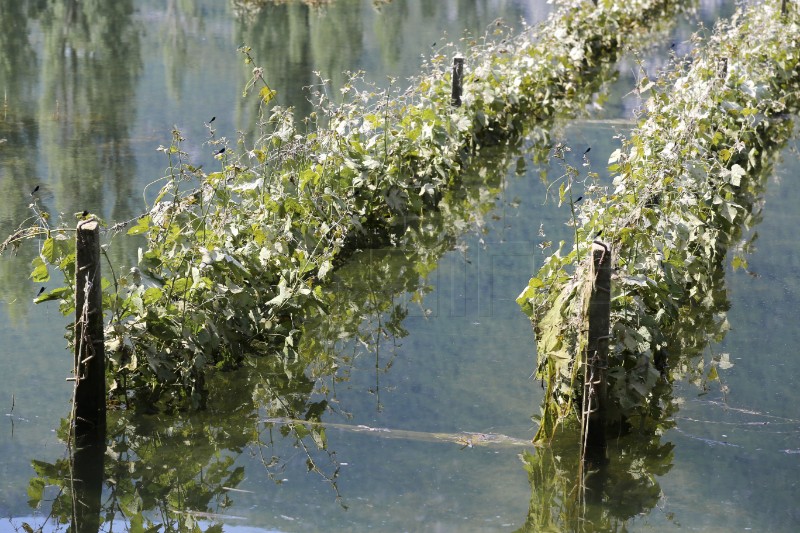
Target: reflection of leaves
[
  {"x": 164, "y": 473},
  {"x": 316, "y": 409},
  {"x": 565, "y": 498}
]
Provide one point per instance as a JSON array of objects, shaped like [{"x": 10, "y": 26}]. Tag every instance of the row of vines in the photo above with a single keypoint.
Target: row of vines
[
  {"x": 233, "y": 260},
  {"x": 686, "y": 183}
]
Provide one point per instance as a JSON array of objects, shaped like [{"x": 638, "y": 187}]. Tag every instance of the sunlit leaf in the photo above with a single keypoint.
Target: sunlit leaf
[
  {"x": 267, "y": 94},
  {"x": 737, "y": 172},
  {"x": 142, "y": 226},
  {"x": 55, "y": 294},
  {"x": 40, "y": 273},
  {"x": 152, "y": 295}
]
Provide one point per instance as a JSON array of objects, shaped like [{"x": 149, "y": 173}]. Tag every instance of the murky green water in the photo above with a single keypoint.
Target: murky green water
[{"x": 432, "y": 356}]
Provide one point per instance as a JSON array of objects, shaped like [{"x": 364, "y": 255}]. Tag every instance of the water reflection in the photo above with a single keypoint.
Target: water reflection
[
  {"x": 70, "y": 72},
  {"x": 19, "y": 134},
  {"x": 90, "y": 66},
  {"x": 170, "y": 472},
  {"x": 607, "y": 498},
  {"x": 185, "y": 471}
]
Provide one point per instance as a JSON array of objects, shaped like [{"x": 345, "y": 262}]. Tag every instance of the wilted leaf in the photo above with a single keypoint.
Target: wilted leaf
[{"x": 267, "y": 94}]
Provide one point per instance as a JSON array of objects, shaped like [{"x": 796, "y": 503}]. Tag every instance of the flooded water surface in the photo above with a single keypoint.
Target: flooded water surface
[{"x": 414, "y": 406}]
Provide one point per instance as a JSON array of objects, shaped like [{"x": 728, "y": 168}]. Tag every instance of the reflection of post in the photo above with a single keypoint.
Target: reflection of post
[
  {"x": 87, "y": 482},
  {"x": 90, "y": 381},
  {"x": 458, "y": 80},
  {"x": 597, "y": 351}
]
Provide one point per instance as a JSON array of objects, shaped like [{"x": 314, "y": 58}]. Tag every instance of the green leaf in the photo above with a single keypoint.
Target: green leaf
[
  {"x": 641, "y": 388},
  {"x": 645, "y": 85},
  {"x": 181, "y": 285},
  {"x": 48, "y": 250},
  {"x": 56, "y": 294},
  {"x": 524, "y": 299},
  {"x": 54, "y": 249},
  {"x": 324, "y": 268},
  {"x": 285, "y": 294},
  {"x": 35, "y": 491},
  {"x": 152, "y": 295},
  {"x": 40, "y": 273},
  {"x": 136, "y": 524},
  {"x": 319, "y": 438},
  {"x": 142, "y": 226}
]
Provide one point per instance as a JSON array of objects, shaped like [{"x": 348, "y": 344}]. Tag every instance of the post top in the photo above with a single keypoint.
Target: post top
[{"x": 88, "y": 225}]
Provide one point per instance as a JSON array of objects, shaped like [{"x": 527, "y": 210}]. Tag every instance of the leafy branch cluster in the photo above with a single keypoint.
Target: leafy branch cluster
[
  {"x": 687, "y": 182},
  {"x": 233, "y": 260}
]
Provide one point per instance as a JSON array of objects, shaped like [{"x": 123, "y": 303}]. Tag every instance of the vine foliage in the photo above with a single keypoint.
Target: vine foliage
[
  {"x": 686, "y": 183},
  {"x": 232, "y": 260}
]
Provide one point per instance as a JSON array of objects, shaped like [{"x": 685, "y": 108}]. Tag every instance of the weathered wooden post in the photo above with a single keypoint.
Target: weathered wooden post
[
  {"x": 458, "y": 81},
  {"x": 89, "y": 407},
  {"x": 90, "y": 380},
  {"x": 596, "y": 400}
]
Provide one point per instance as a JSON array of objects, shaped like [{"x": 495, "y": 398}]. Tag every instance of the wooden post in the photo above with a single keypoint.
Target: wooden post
[
  {"x": 596, "y": 400},
  {"x": 90, "y": 363},
  {"x": 458, "y": 80},
  {"x": 783, "y": 7}
]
